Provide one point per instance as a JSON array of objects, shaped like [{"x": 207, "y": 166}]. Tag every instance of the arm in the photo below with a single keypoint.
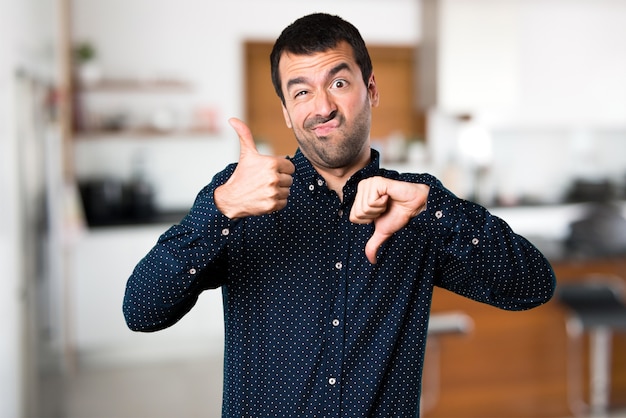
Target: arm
[
  {"x": 191, "y": 257},
  {"x": 480, "y": 256},
  {"x": 187, "y": 259}
]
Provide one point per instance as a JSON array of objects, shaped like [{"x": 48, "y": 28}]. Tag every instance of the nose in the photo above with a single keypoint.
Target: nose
[{"x": 324, "y": 104}]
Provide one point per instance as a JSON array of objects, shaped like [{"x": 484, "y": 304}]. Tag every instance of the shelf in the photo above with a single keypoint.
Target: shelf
[
  {"x": 127, "y": 113},
  {"x": 143, "y": 133},
  {"x": 138, "y": 86}
]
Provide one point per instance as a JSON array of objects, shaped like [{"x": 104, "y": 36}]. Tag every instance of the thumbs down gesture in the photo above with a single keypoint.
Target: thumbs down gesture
[{"x": 390, "y": 205}]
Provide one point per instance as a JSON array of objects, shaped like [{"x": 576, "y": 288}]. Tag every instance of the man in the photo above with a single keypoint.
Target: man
[{"x": 327, "y": 262}]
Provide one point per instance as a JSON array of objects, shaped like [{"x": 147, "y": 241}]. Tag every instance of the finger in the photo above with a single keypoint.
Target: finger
[
  {"x": 372, "y": 246},
  {"x": 246, "y": 141},
  {"x": 285, "y": 166},
  {"x": 364, "y": 212},
  {"x": 285, "y": 180}
]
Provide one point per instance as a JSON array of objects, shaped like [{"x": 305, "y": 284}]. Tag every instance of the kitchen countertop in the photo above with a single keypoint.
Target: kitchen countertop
[{"x": 165, "y": 217}]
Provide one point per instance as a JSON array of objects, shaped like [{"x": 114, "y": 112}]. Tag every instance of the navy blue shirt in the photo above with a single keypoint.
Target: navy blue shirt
[{"x": 312, "y": 328}]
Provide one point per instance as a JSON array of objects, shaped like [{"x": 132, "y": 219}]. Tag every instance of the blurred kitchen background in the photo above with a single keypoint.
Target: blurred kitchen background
[{"x": 114, "y": 115}]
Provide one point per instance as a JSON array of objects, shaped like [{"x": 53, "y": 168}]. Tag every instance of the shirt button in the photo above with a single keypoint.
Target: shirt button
[
  {"x": 338, "y": 265},
  {"x": 311, "y": 187},
  {"x": 340, "y": 213},
  {"x": 192, "y": 271},
  {"x": 320, "y": 182},
  {"x": 475, "y": 241},
  {"x": 225, "y": 231},
  {"x": 335, "y": 322},
  {"x": 438, "y": 214},
  {"x": 332, "y": 381}
]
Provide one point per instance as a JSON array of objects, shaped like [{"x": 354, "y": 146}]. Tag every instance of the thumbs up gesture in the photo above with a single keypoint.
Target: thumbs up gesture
[
  {"x": 390, "y": 205},
  {"x": 260, "y": 183}
]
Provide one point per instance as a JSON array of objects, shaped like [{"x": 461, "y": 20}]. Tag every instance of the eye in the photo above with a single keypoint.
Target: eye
[
  {"x": 339, "y": 83},
  {"x": 300, "y": 93}
]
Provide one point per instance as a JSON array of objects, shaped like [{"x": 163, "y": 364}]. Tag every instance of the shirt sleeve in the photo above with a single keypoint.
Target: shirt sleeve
[
  {"x": 478, "y": 255},
  {"x": 186, "y": 260}
]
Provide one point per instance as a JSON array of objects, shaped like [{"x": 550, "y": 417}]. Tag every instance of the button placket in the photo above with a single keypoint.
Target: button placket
[
  {"x": 335, "y": 336},
  {"x": 336, "y": 325}
]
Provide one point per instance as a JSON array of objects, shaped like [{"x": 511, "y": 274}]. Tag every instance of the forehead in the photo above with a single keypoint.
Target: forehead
[{"x": 316, "y": 64}]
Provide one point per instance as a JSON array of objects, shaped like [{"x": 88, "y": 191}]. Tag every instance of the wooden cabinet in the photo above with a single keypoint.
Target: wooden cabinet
[{"x": 514, "y": 364}]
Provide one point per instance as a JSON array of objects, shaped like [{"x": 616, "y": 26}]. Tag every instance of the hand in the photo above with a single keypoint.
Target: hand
[
  {"x": 260, "y": 183},
  {"x": 390, "y": 204}
]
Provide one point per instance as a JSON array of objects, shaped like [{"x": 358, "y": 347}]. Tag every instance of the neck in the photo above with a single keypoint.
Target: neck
[
  {"x": 336, "y": 178},
  {"x": 335, "y": 183}
]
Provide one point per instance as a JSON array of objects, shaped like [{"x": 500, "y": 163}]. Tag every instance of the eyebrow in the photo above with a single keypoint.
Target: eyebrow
[{"x": 301, "y": 80}]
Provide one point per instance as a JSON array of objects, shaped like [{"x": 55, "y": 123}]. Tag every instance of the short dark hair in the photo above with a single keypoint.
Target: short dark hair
[{"x": 318, "y": 32}]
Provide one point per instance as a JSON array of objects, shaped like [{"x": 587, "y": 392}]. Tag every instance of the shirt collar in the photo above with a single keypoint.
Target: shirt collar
[{"x": 306, "y": 172}]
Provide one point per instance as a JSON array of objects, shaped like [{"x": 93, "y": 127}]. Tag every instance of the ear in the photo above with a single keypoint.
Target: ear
[
  {"x": 372, "y": 91},
  {"x": 287, "y": 118}
]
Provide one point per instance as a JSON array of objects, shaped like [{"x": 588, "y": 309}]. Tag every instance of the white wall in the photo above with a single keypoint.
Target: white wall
[
  {"x": 549, "y": 62},
  {"x": 573, "y": 57},
  {"x": 570, "y": 118},
  {"x": 202, "y": 40},
  {"x": 546, "y": 79},
  {"x": 478, "y": 54}
]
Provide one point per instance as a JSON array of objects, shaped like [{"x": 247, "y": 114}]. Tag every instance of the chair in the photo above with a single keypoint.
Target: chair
[{"x": 597, "y": 306}]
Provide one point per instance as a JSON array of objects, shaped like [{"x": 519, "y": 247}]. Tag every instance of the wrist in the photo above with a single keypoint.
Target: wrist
[{"x": 224, "y": 203}]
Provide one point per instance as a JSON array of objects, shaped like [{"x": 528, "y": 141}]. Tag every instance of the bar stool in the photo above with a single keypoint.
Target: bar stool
[{"x": 596, "y": 306}]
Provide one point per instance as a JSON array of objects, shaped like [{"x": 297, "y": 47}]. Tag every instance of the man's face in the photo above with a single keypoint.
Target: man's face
[{"x": 328, "y": 106}]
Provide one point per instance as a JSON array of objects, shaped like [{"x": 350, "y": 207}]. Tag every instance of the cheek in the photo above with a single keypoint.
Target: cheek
[
  {"x": 297, "y": 116},
  {"x": 287, "y": 118}
]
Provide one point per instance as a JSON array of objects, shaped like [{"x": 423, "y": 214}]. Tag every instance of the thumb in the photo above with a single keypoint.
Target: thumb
[
  {"x": 375, "y": 242},
  {"x": 246, "y": 142}
]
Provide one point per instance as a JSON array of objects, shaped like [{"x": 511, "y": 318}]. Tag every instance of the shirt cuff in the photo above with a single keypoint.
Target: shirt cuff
[{"x": 205, "y": 219}]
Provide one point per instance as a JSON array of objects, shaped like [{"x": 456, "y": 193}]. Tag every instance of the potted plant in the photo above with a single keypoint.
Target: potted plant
[{"x": 88, "y": 70}]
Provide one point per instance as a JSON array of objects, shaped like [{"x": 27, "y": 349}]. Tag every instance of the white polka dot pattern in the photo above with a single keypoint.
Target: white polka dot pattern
[{"x": 312, "y": 328}]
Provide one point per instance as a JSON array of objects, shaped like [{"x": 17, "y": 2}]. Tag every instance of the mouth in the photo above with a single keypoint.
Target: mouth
[
  {"x": 324, "y": 126},
  {"x": 324, "y": 129}
]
